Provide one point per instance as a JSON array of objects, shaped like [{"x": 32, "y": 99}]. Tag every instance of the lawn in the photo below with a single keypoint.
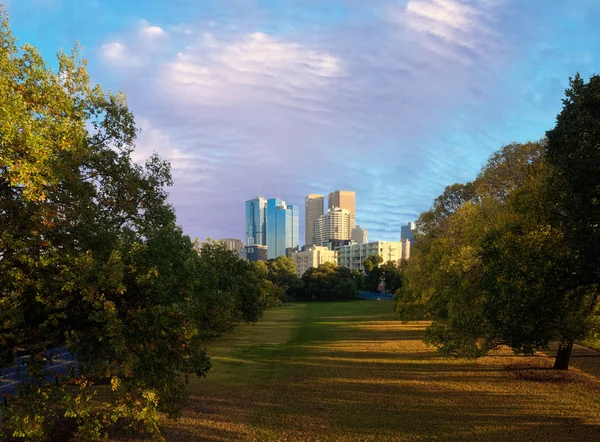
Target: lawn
[{"x": 351, "y": 371}]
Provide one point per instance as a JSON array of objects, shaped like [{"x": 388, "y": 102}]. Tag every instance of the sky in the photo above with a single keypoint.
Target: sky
[{"x": 395, "y": 99}]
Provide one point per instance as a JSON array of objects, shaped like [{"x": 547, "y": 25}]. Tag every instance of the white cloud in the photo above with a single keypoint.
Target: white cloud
[
  {"x": 117, "y": 54},
  {"x": 181, "y": 29},
  {"x": 234, "y": 70},
  {"x": 151, "y": 32},
  {"x": 451, "y": 28}
]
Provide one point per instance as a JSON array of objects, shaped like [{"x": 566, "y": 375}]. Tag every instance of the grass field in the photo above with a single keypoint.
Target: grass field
[{"x": 351, "y": 371}]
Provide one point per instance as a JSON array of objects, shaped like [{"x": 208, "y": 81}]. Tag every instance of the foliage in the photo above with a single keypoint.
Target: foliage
[
  {"x": 455, "y": 277},
  {"x": 573, "y": 151},
  {"x": 512, "y": 258},
  {"x": 283, "y": 275},
  {"x": 91, "y": 256},
  {"x": 328, "y": 282},
  {"x": 391, "y": 273},
  {"x": 372, "y": 272}
]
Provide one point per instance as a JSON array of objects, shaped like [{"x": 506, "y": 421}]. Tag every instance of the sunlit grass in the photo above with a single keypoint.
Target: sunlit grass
[{"x": 351, "y": 371}]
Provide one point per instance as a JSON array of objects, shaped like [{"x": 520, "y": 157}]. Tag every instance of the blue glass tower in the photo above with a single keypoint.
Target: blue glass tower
[
  {"x": 256, "y": 221},
  {"x": 283, "y": 229}
]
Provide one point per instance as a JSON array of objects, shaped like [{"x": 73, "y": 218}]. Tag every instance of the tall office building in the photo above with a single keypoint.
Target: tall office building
[
  {"x": 256, "y": 217},
  {"x": 233, "y": 244},
  {"x": 333, "y": 226},
  {"x": 344, "y": 199},
  {"x": 360, "y": 236},
  {"x": 406, "y": 232},
  {"x": 283, "y": 228},
  {"x": 313, "y": 209}
]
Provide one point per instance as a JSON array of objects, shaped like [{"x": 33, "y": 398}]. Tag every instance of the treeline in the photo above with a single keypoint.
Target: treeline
[
  {"x": 330, "y": 282},
  {"x": 91, "y": 258},
  {"x": 513, "y": 258}
]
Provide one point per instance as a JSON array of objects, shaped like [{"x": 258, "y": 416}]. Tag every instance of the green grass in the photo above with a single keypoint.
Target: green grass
[{"x": 351, "y": 371}]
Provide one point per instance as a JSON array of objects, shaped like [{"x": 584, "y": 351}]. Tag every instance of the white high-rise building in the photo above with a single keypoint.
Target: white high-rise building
[
  {"x": 406, "y": 249},
  {"x": 334, "y": 225},
  {"x": 344, "y": 199}
]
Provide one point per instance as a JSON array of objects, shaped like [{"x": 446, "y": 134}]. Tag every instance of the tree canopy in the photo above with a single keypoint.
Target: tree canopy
[
  {"x": 91, "y": 256},
  {"x": 513, "y": 257}
]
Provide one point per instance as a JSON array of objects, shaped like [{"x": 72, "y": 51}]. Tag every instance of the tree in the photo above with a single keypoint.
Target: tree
[
  {"x": 451, "y": 277},
  {"x": 329, "y": 282},
  {"x": 573, "y": 151},
  {"x": 372, "y": 272},
  {"x": 91, "y": 257},
  {"x": 497, "y": 268},
  {"x": 282, "y": 273},
  {"x": 392, "y": 276}
]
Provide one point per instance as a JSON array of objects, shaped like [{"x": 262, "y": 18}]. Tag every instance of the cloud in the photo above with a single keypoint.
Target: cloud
[
  {"x": 118, "y": 54},
  {"x": 451, "y": 28},
  {"x": 151, "y": 32},
  {"x": 396, "y": 102},
  {"x": 248, "y": 68}
]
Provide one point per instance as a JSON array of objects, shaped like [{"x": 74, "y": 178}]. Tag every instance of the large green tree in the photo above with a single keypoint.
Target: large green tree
[
  {"x": 495, "y": 262},
  {"x": 91, "y": 256},
  {"x": 573, "y": 150}
]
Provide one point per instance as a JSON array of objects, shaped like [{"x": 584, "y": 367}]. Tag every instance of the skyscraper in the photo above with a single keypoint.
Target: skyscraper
[
  {"x": 360, "y": 236},
  {"x": 344, "y": 199},
  {"x": 283, "y": 228},
  {"x": 334, "y": 225},
  {"x": 406, "y": 232},
  {"x": 256, "y": 216},
  {"x": 313, "y": 205}
]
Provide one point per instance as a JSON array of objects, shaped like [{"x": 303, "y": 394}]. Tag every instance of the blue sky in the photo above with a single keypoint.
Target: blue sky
[{"x": 393, "y": 99}]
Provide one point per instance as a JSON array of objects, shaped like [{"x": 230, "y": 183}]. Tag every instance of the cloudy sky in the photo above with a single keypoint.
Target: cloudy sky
[{"x": 394, "y": 99}]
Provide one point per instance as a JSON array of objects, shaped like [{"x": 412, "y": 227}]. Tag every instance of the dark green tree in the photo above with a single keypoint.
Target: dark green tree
[
  {"x": 373, "y": 273},
  {"x": 573, "y": 151}
]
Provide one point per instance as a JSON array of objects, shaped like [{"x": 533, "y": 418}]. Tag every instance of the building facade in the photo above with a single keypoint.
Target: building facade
[
  {"x": 360, "y": 236},
  {"x": 334, "y": 225},
  {"x": 406, "y": 243},
  {"x": 313, "y": 256},
  {"x": 352, "y": 256},
  {"x": 283, "y": 228},
  {"x": 233, "y": 244},
  {"x": 313, "y": 209},
  {"x": 344, "y": 199},
  {"x": 256, "y": 218},
  {"x": 255, "y": 253},
  {"x": 406, "y": 232}
]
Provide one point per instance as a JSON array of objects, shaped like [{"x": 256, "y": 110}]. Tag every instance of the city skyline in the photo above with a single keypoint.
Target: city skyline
[{"x": 395, "y": 99}]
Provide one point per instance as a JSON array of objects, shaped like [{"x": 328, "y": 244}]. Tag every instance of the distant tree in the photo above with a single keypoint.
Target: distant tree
[
  {"x": 358, "y": 279},
  {"x": 373, "y": 273},
  {"x": 283, "y": 274},
  {"x": 329, "y": 282},
  {"x": 391, "y": 273}
]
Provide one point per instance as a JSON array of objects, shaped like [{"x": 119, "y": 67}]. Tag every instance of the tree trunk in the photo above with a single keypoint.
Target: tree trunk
[{"x": 563, "y": 355}]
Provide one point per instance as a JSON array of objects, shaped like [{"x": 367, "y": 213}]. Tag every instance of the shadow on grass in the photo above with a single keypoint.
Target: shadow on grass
[{"x": 349, "y": 371}]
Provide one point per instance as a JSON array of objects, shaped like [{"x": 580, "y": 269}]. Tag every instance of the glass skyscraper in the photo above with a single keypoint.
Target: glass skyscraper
[
  {"x": 283, "y": 229},
  {"x": 256, "y": 221}
]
